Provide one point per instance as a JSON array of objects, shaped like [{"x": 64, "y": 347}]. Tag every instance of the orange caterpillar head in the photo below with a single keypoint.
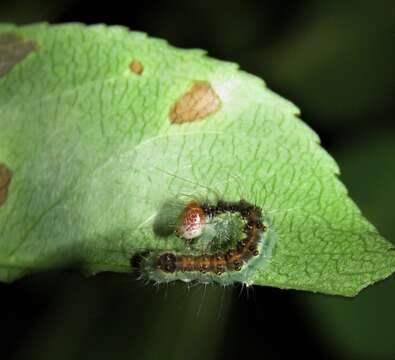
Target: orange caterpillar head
[{"x": 192, "y": 221}]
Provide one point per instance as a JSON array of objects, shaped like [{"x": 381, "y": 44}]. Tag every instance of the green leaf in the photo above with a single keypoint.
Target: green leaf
[{"x": 99, "y": 126}]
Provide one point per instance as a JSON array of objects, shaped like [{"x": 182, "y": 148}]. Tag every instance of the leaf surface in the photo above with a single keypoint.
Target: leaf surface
[{"x": 99, "y": 126}]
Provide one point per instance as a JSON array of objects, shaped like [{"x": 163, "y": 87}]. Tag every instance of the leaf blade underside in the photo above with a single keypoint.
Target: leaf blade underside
[{"x": 93, "y": 154}]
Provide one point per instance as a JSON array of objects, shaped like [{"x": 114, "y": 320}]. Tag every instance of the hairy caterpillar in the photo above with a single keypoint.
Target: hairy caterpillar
[{"x": 236, "y": 257}]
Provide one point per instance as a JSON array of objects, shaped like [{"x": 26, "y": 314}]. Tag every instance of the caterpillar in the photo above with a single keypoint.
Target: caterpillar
[{"x": 224, "y": 266}]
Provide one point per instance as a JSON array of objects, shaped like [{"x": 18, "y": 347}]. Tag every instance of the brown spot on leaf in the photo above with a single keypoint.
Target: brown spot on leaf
[
  {"x": 136, "y": 67},
  {"x": 199, "y": 102},
  {"x": 5, "y": 180},
  {"x": 13, "y": 49}
]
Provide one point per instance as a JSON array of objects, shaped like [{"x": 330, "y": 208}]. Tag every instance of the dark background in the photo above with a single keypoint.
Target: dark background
[{"x": 335, "y": 60}]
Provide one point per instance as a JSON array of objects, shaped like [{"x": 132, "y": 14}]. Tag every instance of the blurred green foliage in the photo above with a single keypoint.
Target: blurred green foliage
[
  {"x": 340, "y": 61},
  {"x": 112, "y": 317}
]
